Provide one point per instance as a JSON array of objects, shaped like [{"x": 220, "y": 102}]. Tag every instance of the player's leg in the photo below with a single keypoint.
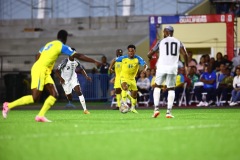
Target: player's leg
[
  {"x": 170, "y": 82},
  {"x": 134, "y": 100},
  {"x": 36, "y": 86},
  {"x": 134, "y": 92},
  {"x": 124, "y": 86},
  {"x": 160, "y": 78},
  {"x": 70, "y": 104},
  {"x": 68, "y": 93},
  {"x": 118, "y": 96},
  {"x": 50, "y": 101},
  {"x": 77, "y": 89},
  {"x": 118, "y": 91}
]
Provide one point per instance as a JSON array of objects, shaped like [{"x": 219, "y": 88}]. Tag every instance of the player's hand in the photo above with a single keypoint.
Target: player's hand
[
  {"x": 149, "y": 56},
  {"x": 98, "y": 64},
  {"x": 62, "y": 81},
  {"x": 111, "y": 70},
  {"x": 88, "y": 78}
]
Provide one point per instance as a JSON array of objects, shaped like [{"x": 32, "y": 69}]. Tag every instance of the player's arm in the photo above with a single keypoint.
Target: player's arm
[
  {"x": 71, "y": 52},
  {"x": 145, "y": 68},
  {"x": 58, "y": 71},
  {"x": 183, "y": 51},
  {"x": 84, "y": 58},
  {"x": 83, "y": 72},
  {"x": 111, "y": 65},
  {"x": 153, "y": 50},
  {"x": 58, "y": 74},
  {"x": 37, "y": 56}
]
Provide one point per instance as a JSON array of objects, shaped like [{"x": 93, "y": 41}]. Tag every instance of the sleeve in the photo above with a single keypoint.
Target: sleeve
[
  {"x": 141, "y": 61},
  {"x": 63, "y": 64},
  {"x": 67, "y": 50},
  {"x": 79, "y": 66},
  {"x": 40, "y": 51},
  {"x": 119, "y": 59},
  {"x": 156, "y": 47}
]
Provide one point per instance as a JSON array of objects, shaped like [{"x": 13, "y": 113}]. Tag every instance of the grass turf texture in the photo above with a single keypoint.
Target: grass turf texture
[{"x": 109, "y": 135}]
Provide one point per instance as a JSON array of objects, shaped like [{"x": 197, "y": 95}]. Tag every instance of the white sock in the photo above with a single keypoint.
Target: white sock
[
  {"x": 171, "y": 96},
  {"x": 156, "y": 96},
  {"x": 82, "y": 101}
]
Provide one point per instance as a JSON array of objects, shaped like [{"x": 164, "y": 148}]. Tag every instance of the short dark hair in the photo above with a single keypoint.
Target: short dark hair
[
  {"x": 62, "y": 35},
  {"x": 119, "y": 50},
  {"x": 131, "y": 46}
]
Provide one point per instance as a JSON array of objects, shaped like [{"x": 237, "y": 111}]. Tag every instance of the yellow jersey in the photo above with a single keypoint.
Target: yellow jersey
[
  {"x": 50, "y": 53},
  {"x": 118, "y": 68},
  {"x": 130, "y": 66}
]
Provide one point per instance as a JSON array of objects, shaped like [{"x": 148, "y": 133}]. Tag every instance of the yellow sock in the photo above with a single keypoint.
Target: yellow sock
[
  {"x": 21, "y": 101},
  {"x": 134, "y": 102},
  {"x": 49, "y": 102},
  {"x": 118, "y": 96},
  {"x": 124, "y": 96}
]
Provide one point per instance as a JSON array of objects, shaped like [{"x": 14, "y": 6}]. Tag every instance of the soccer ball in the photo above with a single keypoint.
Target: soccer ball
[{"x": 124, "y": 108}]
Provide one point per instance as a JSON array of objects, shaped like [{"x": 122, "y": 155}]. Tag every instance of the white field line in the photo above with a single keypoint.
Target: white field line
[{"x": 99, "y": 132}]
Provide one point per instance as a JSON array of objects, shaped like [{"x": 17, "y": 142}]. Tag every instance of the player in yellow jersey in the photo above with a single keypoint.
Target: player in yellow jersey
[
  {"x": 40, "y": 75},
  {"x": 130, "y": 66},
  {"x": 117, "y": 84}
]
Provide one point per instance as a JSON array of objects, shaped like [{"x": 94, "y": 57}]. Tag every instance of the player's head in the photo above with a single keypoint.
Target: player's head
[
  {"x": 131, "y": 50},
  {"x": 62, "y": 36},
  {"x": 119, "y": 52},
  {"x": 168, "y": 31}
]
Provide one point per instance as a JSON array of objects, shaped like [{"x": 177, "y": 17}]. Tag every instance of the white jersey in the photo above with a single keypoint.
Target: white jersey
[
  {"x": 169, "y": 51},
  {"x": 68, "y": 68}
]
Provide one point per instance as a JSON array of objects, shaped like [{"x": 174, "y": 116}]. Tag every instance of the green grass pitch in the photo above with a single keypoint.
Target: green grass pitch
[{"x": 194, "y": 134}]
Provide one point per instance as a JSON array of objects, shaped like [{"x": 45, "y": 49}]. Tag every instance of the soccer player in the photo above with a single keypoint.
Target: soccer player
[
  {"x": 167, "y": 65},
  {"x": 117, "y": 84},
  {"x": 66, "y": 72},
  {"x": 40, "y": 75},
  {"x": 130, "y": 66}
]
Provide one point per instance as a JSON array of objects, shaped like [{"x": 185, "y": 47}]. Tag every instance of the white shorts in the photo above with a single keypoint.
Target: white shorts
[
  {"x": 69, "y": 86},
  {"x": 169, "y": 79}
]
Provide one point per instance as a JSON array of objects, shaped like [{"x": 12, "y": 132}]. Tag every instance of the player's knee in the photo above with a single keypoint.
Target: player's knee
[
  {"x": 125, "y": 88},
  {"x": 55, "y": 95}
]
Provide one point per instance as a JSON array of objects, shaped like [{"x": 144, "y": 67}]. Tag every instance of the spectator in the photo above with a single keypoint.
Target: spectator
[
  {"x": 153, "y": 72},
  {"x": 191, "y": 61},
  {"x": 236, "y": 61},
  {"x": 179, "y": 84},
  {"x": 207, "y": 58},
  {"x": 143, "y": 85},
  {"x": 219, "y": 60},
  {"x": 212, "y": 63},
  {"x": 227, "y": 62},
  {"x": 104, "y": 79},
  {"x": 193, "y": 77},
  {"x": 200, "y": 66},
  {"x": 148, "y": 74},
  {"x": 236, "y": 88},
  {"x": 209, "y": 80},
  {"x": 225, "y": 84}
]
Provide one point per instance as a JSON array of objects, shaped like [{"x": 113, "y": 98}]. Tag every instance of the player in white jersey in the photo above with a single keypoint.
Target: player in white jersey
[
  {"x": 66, "y": 72},
  {"x": 169, "y": 50}
]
